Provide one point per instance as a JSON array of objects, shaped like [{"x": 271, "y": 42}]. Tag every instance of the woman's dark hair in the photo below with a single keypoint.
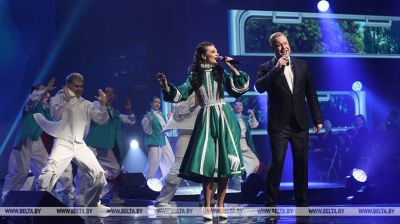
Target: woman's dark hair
[
  {"x": 196, "y": 71},
  {"x": 153, "y": 98}
]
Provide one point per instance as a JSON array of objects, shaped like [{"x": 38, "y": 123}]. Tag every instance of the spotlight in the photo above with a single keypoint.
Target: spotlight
[
  {"x": 359, "y": 175},
  {"x": 356, "y": 183},
  {"x": 154, "y": 184},
  {"x": 323, "y": 6},
  {"x": 135, "y": 185},
  {"x": 134, "y": 144},
  {"x": 357, "y": 86}
]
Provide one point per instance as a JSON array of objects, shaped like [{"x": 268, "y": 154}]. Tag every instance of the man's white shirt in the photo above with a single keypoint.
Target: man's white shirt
[{"x": 72, "y": 118}]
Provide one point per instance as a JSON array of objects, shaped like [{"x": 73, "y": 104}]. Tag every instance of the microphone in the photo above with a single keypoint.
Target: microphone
[
  {"x": 233, "y": 62},
  {"x": 287, "y": 61}
]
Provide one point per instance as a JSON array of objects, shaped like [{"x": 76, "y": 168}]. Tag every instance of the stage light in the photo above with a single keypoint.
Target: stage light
[
  {"x": 154, "y": 184},
  {"x": 134, "y": 144},
  {"x": 323, "y": 6},
  {"x": 135, "y": 185},
  {"x": 356, "y": 183},
  {"x": 357, "y": 86},
  {"x": 359, "y": 175}
]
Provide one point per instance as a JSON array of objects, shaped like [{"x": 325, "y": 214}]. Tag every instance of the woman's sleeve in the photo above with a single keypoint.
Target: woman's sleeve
[
  {"x": 236, "y": 85},
  {"x": 180, "y": 93}
]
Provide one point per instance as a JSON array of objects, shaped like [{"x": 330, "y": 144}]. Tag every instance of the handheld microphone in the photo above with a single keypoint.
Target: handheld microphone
[
  {"x": 287, "y": 61},
  {"x": 233, "y": 62}
]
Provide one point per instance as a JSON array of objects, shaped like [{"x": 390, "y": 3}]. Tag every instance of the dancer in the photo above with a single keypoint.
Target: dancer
[
  {"x": 250, "y": 160},
  {"x": 72, "y": 115},
  {"x": 29, "y": 151},
  {"x": 160, "y": 153},
  {"x": 106, "y": 142},
  {"x": 182, "y": 120},
  {"x": 214, "y": 151}
]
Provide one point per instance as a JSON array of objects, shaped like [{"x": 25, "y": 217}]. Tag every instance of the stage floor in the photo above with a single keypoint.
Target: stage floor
[
  {"x": 195, "y": 190},
  {"x": 286, "y": 188},
  {"x": 245, "y": 220}
]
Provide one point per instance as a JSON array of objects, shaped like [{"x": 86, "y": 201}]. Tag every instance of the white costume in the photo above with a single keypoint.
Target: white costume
[
  {"x": 108, "y": 161},
  {"x": 32, "y": 155},
  {"x": 183, "y": 120},
  {"x": 250, "y": 160},
  {"x": 72, "y": 124},
  {"x": 158, "y": 156}
]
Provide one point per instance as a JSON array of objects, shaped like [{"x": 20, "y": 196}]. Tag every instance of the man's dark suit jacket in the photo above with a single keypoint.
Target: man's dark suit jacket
[{"x": 281, "y": 102}]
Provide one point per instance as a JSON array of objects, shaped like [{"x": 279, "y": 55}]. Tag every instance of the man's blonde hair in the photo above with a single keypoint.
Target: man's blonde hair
[{"x": 274, "y": 36}]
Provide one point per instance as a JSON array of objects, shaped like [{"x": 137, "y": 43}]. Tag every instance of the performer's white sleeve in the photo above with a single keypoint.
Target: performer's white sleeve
[
  {"x": 127, "y": 119},
  {"x": 57, "y": 106},
  {"x": 147, "y": 126},
  {"x": 98, "y": 113},
  {"x": 33, "y": 99},
  {"x": 253, "y": 123}
]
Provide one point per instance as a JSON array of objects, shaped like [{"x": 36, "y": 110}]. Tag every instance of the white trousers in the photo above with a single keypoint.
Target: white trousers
[
  {"x": 109, "y": 162},
  {"x": 162, "y": 157},
  {"x": 172, "y": 180},
  {"x": 33, "y": 156},
  {"x": 250, "y": 160},
  {"x": 65, "y": 151}
]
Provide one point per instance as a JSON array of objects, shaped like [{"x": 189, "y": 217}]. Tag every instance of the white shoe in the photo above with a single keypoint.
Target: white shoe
[
  {"x": 206, "y": 215},
  {"x": 102, "y": 210},
  {"x": 221, "y": 215},
  {"x": 162, "y": 205}
]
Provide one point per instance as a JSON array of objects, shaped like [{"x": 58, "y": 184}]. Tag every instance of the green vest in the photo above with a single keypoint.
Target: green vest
[
  {"x": 108, "y": 135},
  {"x": 28, "y": 127},
  {"x": 157, "y": 138}
]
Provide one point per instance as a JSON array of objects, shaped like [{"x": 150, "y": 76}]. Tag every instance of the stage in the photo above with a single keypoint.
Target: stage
[{"x": 322, "y": 195}]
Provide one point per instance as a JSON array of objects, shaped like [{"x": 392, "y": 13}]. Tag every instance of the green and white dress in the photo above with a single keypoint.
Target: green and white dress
[{"x": 214, "y": 147}]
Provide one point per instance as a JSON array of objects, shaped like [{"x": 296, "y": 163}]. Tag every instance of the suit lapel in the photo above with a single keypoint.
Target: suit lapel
[{"x": 295, "y": 75}]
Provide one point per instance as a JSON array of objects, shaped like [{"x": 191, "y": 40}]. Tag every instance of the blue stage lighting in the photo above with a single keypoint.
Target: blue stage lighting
[
  {"x": 323, "y": 6},
  {"x": 357, "y": 86},
  {"x": 134, "y": 144}
]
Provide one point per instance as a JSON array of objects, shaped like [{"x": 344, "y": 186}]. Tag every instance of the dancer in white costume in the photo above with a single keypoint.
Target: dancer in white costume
[
  {"x": 160, "y": 153},
  {"x": 72, "y": 115},
  {"x": 107, "y": 143},
  {"x": 29, "y": 151},
  {"x": 182, "y": 120},
  {"x": 246, "y": 123}
]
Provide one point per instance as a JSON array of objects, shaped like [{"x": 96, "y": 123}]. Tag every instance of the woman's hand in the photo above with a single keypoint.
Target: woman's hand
[
  {"x": 231, "y": 67},
  {"x": 50, "y": 86},
  {"x": 149, "y": 116},
  {"x": 163, "y": 81},
  {"x": 102, "y": 97}
]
